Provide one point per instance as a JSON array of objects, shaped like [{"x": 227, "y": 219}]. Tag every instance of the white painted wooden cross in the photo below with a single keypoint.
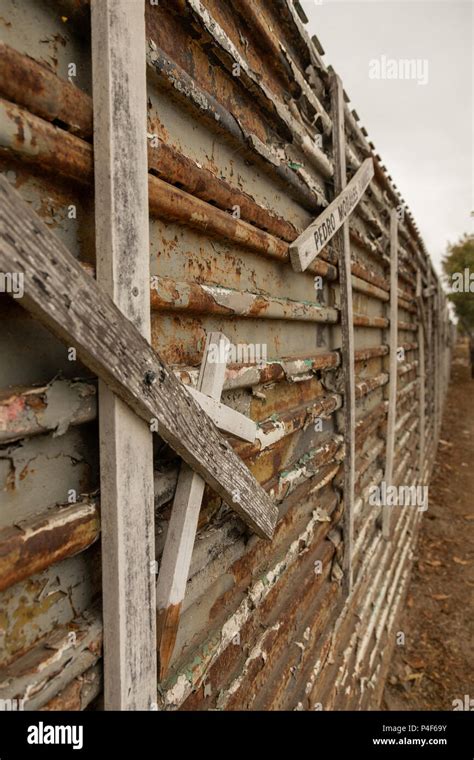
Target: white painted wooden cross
[{"x": 177, "y": 553}]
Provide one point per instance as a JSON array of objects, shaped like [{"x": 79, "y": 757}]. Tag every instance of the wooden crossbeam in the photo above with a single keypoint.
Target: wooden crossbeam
[
  {"x": 347, "y": 329},
  {"x": 315, "y": 237},
  {"x": 224, "y": 418},
  {"x": 182, "y": 527},
  {"x": 70, "y": 303}
]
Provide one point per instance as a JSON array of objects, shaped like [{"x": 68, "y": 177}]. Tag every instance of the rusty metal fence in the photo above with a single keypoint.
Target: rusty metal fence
[{"x": 241, "y": 159}]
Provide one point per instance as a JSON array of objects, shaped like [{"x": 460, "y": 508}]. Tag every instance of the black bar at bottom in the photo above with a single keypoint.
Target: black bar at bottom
[{"x": 141, "y": 734}]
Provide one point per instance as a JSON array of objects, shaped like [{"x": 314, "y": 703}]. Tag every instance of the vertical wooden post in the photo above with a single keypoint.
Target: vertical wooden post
[
  {"x": 393, "y": 366},
  {"x": 421, "y": 379},
  {"x": 347, "y": 327},
  {"x": 429, "y": 343},
  {"x": 126, "y": 455},
  {"x": 445, "y": 348},
  {"x": 436, "y": 363},
  {"x": 440, "y": 354}
]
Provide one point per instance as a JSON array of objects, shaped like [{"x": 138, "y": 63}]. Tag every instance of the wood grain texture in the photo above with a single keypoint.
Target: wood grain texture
[
  {"x": 70, "y": 303},
  {"x": 347, "y": 329},
  {"x": 123, "y": 272},
  {"x": 393, "y": 368}
]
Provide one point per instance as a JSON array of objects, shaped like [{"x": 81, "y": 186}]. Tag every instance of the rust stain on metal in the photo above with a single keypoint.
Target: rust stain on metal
[
  {"x": 34, "y": 86},
  {"x": 37, "y": 543},
  {"x": 174, "y": 167}
]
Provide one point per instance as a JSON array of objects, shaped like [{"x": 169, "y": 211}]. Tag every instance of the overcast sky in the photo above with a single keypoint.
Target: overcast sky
[{"x": 423, "y": 132}]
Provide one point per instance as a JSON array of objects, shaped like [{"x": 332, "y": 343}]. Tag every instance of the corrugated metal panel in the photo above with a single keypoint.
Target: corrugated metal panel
[{"x": 240, "y": 163}]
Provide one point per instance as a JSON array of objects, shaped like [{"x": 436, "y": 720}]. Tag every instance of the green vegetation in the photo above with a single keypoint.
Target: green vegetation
[{"x": 458, "y": 266}]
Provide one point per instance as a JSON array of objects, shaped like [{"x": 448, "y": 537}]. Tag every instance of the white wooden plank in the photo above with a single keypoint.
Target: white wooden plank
[
  {"x": 393, "y": 368},
  {"x": 315, "y": 237},
  {"x": 347, "y": 330},
  {"x": 182, "y": 527},
  {"x": 126, "y": 454},
  {"x": 226, "y": 419}
]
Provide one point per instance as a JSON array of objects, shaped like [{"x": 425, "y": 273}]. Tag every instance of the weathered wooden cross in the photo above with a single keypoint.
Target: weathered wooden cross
[
  {"x": 182, "y": 527},
  {"x": 70, "y": 303}
]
